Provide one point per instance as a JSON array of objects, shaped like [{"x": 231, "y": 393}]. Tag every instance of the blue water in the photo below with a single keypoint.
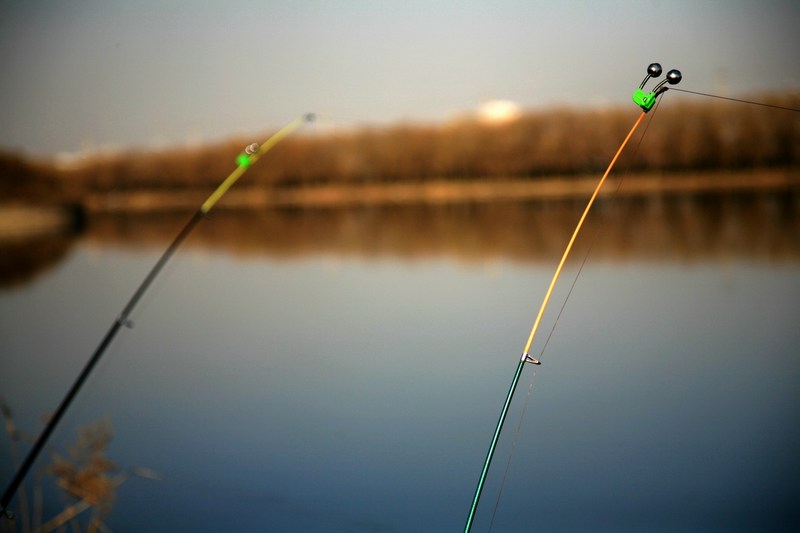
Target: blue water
[{"x": 326, "y": 392}]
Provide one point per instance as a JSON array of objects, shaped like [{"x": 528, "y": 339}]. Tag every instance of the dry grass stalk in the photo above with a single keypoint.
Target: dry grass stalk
[{"x": 87, "y": 476}]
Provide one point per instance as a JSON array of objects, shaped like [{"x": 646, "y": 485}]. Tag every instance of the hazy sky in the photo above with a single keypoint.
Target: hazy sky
[{"x": 90, "y": 73}]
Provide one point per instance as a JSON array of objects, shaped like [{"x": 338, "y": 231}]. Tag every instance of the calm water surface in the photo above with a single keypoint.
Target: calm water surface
[{"x": 325, "y": 391}]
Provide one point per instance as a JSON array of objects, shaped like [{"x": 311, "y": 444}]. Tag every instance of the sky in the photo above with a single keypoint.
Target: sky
[{"x": 86, "y": 75}]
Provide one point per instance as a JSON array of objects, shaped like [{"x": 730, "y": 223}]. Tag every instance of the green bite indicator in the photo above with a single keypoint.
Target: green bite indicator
[
  {"x": 643, "y": 99},
  {"x": 243, "y": 160}
]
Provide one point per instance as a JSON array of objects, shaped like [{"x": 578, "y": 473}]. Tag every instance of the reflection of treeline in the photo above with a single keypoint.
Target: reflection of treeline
[
  {"x": 687, "y": 133},
  {"x": 755, "y": 226}
]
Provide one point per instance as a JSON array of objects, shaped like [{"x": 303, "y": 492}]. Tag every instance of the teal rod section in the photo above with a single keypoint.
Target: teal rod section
[{"x": 493, "y": 445}]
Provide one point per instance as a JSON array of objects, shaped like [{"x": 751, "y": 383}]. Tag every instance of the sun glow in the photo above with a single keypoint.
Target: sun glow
[{"x": 499, "y": 111}]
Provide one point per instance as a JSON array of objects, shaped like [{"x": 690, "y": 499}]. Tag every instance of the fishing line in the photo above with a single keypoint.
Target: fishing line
[
  {"x": 612, "y": 201},
  {"x": 598, "y": 230},
  {"x": 796, "y": 110},
  {"x": 245, "y": 160},
  {"x": 526, "y": 357},
  {"x": 646, "y": 101},
  {"x": 513, "y": 449}
]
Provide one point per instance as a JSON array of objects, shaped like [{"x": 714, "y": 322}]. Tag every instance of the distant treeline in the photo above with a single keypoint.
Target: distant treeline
[
  {"x": 21, "y": 179},
  {"x": 685, "y": 133}
]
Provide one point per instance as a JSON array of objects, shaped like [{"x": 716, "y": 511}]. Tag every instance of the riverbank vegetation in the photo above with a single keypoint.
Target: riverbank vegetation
[{"x": 687, "y": 134}]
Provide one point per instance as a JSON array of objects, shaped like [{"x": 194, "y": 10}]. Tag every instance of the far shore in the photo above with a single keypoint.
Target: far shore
[
  {"x": 22, "y": 222},
  {"x": 448, "y": 191},
  {"x": 28, "y": 220}
]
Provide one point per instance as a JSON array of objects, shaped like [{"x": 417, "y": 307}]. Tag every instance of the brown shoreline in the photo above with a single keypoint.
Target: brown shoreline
[
  {"x": 23, "y": 222},
  {"x": 448, "y": 191},
  {"x": 756, "y": 225}
]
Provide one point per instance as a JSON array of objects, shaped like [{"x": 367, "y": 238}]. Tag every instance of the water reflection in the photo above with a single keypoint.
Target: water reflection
[
  {"x": 342, "y": 370},
  {"x": 756, "y": 226},
  {"x": 690, "y": 227}
]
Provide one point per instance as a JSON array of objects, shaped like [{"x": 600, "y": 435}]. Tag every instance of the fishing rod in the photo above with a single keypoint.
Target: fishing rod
[
  {"x": 646, "y": 101},
  {"x": 244, "y": 161}
]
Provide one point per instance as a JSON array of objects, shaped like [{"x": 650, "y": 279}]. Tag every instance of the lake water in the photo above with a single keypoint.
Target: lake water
[{"x": 344, "y": 371}]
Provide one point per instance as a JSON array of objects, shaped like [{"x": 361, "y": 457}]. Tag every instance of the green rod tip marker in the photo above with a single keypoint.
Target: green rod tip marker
[{"x": 243, "y": 159}]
